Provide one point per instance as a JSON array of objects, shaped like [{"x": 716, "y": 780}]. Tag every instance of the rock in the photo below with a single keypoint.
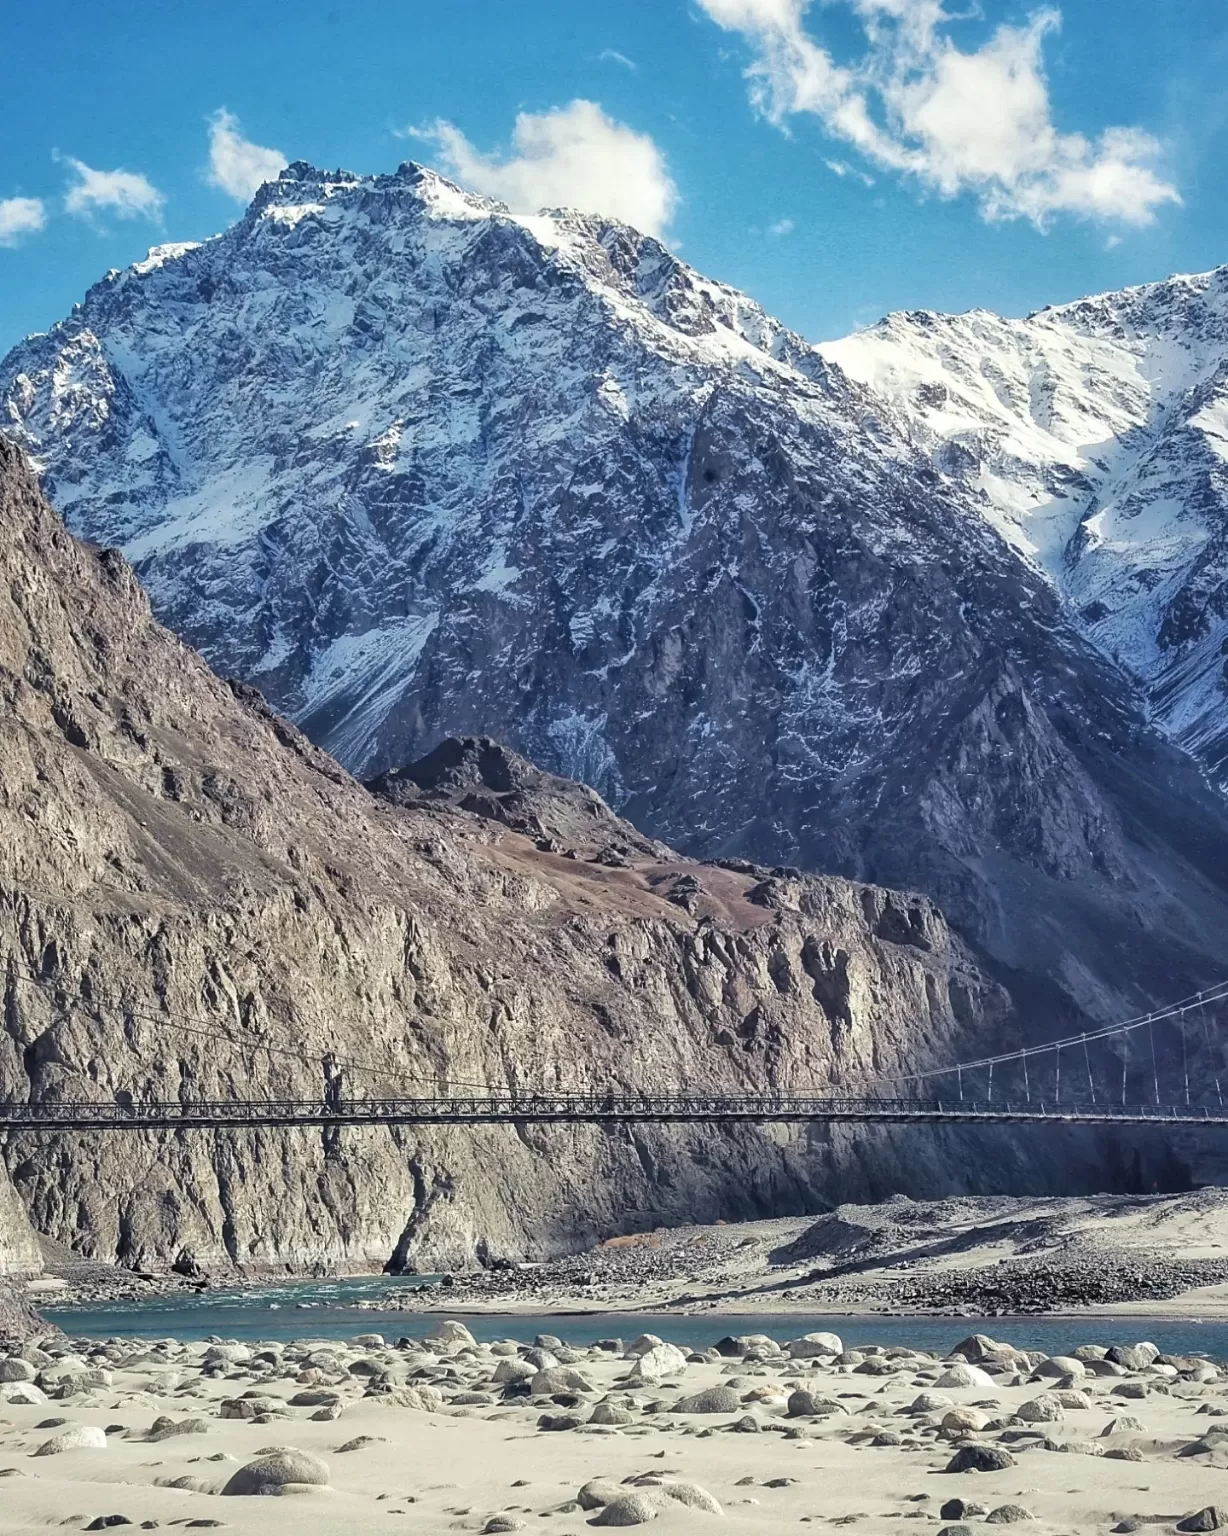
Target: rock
[
  {"x": 611, "y": 1413},
  {"x": 1135, "y": 1357},
  {"x": 980, "y": 1458},
  {"x": 106, "y": 1522},
  {"x": 660, "y": 1361},
  {"x": 79, "y": 1437},
  {"x": 812, "y": 1346},
  {"x": 1061, "y": 1365},
  {"x": 1208, "y": 1519},
  {"x": 627, "y": 1509},
  {"x": 956, "y": 1530},
  {"x": 448, "y": 1331},
  {"x": 804, "y": 1404},
  {"x": 165, "y": 1428},
  {"x": 315, "y": 1397},
  {"x": 513, "y": 1370},
  {"x": 278, "y": 1470},
  {"x": 250, "y": 1407},
  {"x": 1045, "y": 1409},
  {"x": 710, "y": 1400},
  {"x": 597, "y": 1492},
  {"x": 23, "y": 1394},
  {"x": 559, "y": 1378},
  {"x": 953, "y": 1509},
  {"x": 500, "y": 1523},
  {"x": 1127, "y": 1424},
  {"x": 17, "y": 1369},
  {"x": 692, "y": 1495},
  {"x": 1008, "y": 1514},
  {"x": 1124, "y": 1453},
  {"x": 980, "y": 1347},
  {"x": 962, "y": 1375},
  {"x": 964, "y": 1420},
  {"x": 360, "y": 1443},
  {"x": 560, "y": 1421}
]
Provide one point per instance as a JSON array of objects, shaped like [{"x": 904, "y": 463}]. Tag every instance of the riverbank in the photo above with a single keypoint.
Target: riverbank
[{"x": 963, "y": 1257}]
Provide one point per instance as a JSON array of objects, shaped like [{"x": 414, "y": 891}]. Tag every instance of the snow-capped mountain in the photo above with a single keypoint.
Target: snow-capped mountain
[
  {"x": 416, "y": 466},
  {"x": 1094, "y": 437}
]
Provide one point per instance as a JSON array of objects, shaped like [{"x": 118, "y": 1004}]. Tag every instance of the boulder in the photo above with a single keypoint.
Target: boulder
[
  {"x": 1208, "y": 1519},
  {"x": 559, "y": 1378},
  {"x": 811, "y": 1346},
  {"x": 448, "y": 1331},
  {"x": 804, "y": 1405},
  {"x": 77, "y": 1437},
  {"x": 1135, "y": 1357},
  {"x": 980, "y": 1458},
  {"x": 710, "y": 1400},
  {"x": 278, "y": 1471},
  {"x": 1045, "y": 1409},
  {"x": 599, "y": 1491},
  {"x": 660, "y": 1361},
  {"x": 962, "y": 1375},
  {"x": 628, "y": 1509}
]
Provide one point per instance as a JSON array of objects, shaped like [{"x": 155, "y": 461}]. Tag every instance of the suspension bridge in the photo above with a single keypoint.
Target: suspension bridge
[{"x": 1113, "y": 1075}]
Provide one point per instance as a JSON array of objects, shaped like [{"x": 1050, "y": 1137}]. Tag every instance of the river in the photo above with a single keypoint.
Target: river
[{"x": 329, "y": 1309}]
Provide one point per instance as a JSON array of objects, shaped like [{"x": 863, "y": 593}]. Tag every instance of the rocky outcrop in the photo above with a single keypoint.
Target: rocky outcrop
[
  {"x": 419, "y": 468},
  {"x": 487, "y": 779},
  {"x": 195, "y": 901}
]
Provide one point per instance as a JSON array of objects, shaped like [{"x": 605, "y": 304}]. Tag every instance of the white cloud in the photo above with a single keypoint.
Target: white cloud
[
  {"x": 236, "y": 166},
  {"x": 127, "y": 194},
  {"x": 571, "y": 157},
  {"x": 20, "y": 216},
  {"x": 781, "y": 227},
  {"x": 842, "y": 168},
  {"x": 978, "y": 122},
  {"x": 612, "y": 56}
]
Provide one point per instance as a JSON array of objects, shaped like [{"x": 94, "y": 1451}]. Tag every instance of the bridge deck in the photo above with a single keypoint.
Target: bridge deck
[{"x": 573, "y": 1109}]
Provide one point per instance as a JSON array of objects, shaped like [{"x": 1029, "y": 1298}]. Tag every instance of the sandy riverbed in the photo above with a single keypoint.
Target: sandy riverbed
[{"x": 425, "y": 1435}]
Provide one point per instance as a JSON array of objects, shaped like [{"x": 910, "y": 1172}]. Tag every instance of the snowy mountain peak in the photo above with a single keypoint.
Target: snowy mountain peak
[{"x": 1093, "y": 436}]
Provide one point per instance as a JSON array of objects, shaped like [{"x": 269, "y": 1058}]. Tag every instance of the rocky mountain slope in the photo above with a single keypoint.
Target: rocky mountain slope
[
  {"x": 196, "y": 901},
  {"x": 417, "y": 467},
  {"x": 1094, "y": 437}
]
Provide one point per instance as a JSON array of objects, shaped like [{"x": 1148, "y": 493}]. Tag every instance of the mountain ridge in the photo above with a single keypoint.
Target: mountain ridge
[
  {"x": 420, "y": 468},
  {"x": 196, "y": 902}
]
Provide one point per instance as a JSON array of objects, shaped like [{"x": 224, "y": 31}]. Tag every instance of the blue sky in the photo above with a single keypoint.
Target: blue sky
[{"x": 835, "y": 159}]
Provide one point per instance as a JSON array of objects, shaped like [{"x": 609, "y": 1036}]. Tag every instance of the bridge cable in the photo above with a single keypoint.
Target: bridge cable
[
  {"x": 1185, "y": 1057},
  {"x": 1155, "y": 1073},
  {"x": 1057, "y": 1075},
  {"x": 1125, "y": 1065},
  {"x": 200, "y": 1028},
  {"x": 1206, "y": 1034},
  {"x": 1218, "y": 993},
  {"x": 1091, "y": 1082}
]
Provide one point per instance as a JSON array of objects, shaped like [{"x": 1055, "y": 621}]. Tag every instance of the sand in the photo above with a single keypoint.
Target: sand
[{"x": 466, "y": 1463}]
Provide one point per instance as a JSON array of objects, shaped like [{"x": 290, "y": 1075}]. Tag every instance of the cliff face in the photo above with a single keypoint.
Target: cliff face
[
  {"x": 417, "y": 467},
  {"x": 196, "y": 901}
]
